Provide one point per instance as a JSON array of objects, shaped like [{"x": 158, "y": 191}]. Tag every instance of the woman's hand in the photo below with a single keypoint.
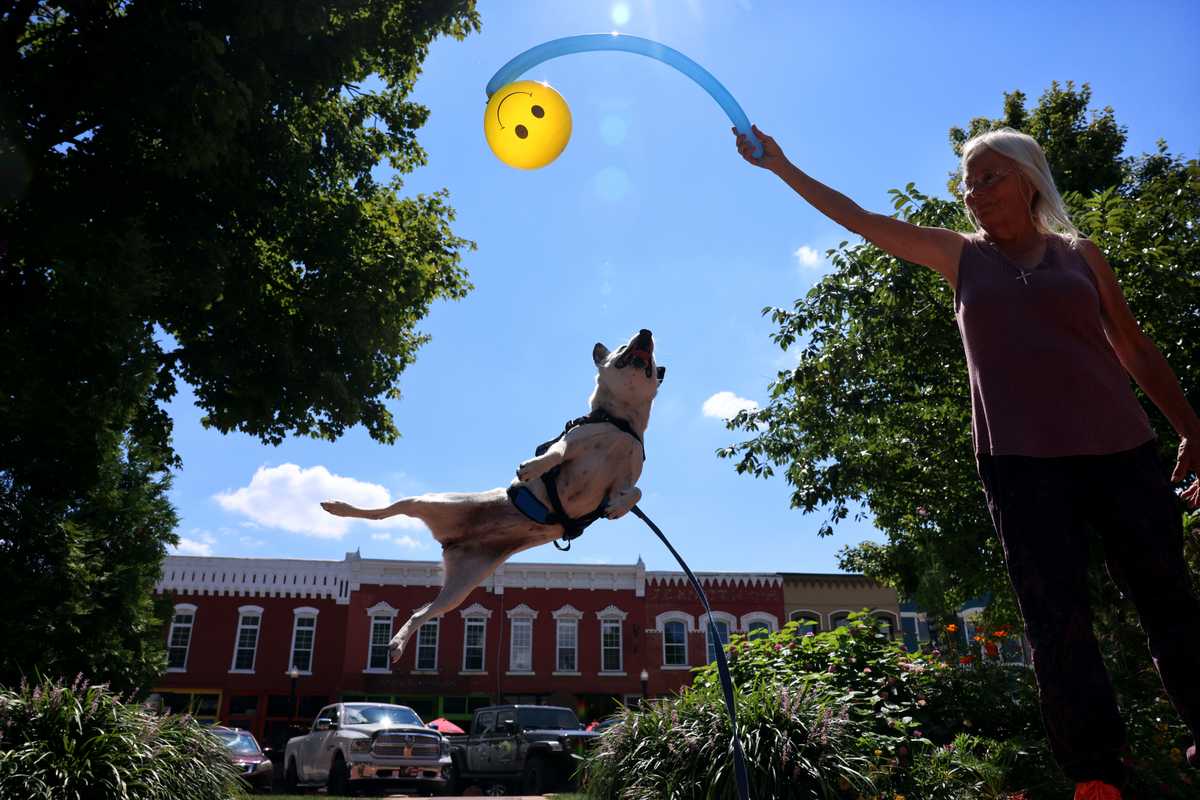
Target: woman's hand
[
  {"x": 772, "y": 157},
  {"x": 1188, "y": 463}
]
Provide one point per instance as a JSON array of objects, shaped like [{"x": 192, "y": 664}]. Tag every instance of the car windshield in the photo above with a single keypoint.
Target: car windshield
[
  {"x": 548, "y": 719},
  {"x": 239, "y": 743},
  {"x": 379, "y": 715}
]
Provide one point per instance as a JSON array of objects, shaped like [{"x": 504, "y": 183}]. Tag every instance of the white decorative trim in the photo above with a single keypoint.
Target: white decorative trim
[
  {"x": 305, "y": 611},
  {"x": 382, "y": 609},
  {"x": 603, "y": 674},
  {"x": 376, "y": 671},
  {"x": 676, "y": 667},
  {"x": 510, "y": 672},
  {"x": 612, "y": 612},
  {"x": 476, "y": 610},
  {"x": 186, "y": 608},
  {"x": 760, "y": 616},
  {"x": 675, "y": 616},
  {"x": 568, "y": 612},
  {"x": 423, "y": 672},
  {"x": 746, "y": 579},
  {"x": 522, "y": 612},
  {"x": 250, "y": 610},
  {"x": 566, "y": 674},
  {"x": 472, "y": 672}
]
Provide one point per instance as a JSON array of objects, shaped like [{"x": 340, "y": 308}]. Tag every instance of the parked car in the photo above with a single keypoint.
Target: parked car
[
  {"x": 351, "y": 745},
  {"x": 244, "y": 751},
  {"x": 535, "y": 748}
]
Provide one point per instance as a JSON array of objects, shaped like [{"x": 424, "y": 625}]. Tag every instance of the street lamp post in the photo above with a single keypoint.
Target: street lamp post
[
  {"x": 645, "y": 676},
  {"x": 293, "y": 673}
]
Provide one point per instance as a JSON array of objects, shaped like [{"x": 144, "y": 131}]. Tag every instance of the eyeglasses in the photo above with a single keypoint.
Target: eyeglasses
[{"x": 986, "y": 181}]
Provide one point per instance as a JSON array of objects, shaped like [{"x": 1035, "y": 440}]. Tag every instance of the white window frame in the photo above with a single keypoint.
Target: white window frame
[
  {"x": 475, "y": 615},
  {"x": 304, "y": 612},
  {"x": 802, "y": 614},
  {"x": 569, "y": 616},
  {"x": 437, "y": 637},
  {"x": 379, "y": 612},
  {"x": 772, "y": 622},
  {"x": 892, "y": 620},
  {"x": 522, "y": 616},
  {"x": 730, "y": 622},
  {"x": 243, "y": 613},
  {"x": 608, "y": 618},
  {"x": 842, "y": 615},
  {"x": 181, "y": 608},
  {"x": 689, "y": 626}
]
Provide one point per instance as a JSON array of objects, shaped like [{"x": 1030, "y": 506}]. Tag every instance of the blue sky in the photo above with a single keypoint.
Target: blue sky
[{"x": 649, "y": 219}]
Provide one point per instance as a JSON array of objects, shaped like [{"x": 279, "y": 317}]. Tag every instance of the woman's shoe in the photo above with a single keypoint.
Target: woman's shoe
[{"x": 1096, "y": 790}]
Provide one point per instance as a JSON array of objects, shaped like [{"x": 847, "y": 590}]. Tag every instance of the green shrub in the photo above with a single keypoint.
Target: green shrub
[
  {"x": 848, "y": 713},
  {"x": 82, "y": 742}
]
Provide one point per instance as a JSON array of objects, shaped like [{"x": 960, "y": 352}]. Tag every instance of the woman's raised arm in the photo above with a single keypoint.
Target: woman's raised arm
[{"x": 936, "y": 248}]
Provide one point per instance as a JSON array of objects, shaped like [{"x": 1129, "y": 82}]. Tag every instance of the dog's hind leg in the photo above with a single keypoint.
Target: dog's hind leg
[
  {"x": 464, "y": 568},
  {"x": 340, "y": 509}
]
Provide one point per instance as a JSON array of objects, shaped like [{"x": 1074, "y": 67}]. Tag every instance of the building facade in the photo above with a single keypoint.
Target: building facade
[{"x": 564, "y": 634}]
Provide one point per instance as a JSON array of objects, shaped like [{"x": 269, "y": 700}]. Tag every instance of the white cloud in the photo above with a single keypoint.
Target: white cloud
[
  {"x": 808, "y": 257},
  {"x": 403, "y": 541},
  {"x": 191, "y": 547},
  {"x": 250, "y": 541},
  {"x": 288, "y": 497},
  {"x": 724, "y": 405}
]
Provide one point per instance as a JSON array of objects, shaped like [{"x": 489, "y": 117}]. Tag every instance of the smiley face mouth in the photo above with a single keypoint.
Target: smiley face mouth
[{"x": 521, "y": 131}]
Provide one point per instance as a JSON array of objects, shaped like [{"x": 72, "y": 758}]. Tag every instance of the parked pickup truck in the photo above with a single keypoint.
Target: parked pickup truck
[
  {"x": 357, "y": 744},
  {"x": 535, "y": 748}
]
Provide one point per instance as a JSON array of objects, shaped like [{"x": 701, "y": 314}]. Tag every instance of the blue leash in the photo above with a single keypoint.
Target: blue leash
[{"x": 739, "y": 758}]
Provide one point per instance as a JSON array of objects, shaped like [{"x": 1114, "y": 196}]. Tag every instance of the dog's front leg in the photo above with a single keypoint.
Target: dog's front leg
[
  {"x": 539, "y": 465},
  {"x": 621, "y": 500}
]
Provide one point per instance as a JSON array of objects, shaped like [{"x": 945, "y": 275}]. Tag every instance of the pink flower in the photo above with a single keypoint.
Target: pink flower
[{"x": 778, "y": 646}]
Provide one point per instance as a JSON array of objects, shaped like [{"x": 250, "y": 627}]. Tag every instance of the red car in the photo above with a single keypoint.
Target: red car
[{"x": 255, "y": 767}]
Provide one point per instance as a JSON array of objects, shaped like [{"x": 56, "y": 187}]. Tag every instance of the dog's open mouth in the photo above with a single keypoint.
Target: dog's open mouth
[{"x": 640, "y": 353}]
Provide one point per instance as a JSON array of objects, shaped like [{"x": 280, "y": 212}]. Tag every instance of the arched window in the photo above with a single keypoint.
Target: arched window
[
  {"x": 803, "y": 617},
  {"x": 179, "y": 638}
]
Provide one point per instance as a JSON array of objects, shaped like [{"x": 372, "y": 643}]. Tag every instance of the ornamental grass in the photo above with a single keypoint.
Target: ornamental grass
[{"x": 83, "y": 742}]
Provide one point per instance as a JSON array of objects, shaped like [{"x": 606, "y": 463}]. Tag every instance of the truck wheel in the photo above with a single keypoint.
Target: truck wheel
[
  {"x": 453, "y": 784},
  {"x": 339, "y": 777},
  {"x": 291, "y": 781},
  {"x": 536, "y": 779}
]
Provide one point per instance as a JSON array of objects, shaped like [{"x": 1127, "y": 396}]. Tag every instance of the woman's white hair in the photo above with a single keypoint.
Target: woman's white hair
[{"x": 1049, "y": 213}]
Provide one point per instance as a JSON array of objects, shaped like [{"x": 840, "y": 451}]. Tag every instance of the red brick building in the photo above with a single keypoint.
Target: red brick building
[{"x": 566, "y": 634}]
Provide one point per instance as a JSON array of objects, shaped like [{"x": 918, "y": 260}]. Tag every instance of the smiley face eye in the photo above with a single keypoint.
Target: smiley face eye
[
  {"x": 522, "y": 131},
  {"x": 538, "y": 111}
]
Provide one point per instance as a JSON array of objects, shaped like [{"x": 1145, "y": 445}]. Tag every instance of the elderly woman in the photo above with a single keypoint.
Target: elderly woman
[{"x": 1063, "y": 447}]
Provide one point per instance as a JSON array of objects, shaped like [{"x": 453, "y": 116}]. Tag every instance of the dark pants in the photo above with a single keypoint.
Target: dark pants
[{"x": 1044, "y": 510}]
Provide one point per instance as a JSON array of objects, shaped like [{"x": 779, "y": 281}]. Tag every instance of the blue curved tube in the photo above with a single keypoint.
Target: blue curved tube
[{"x": 630, "y": 44}]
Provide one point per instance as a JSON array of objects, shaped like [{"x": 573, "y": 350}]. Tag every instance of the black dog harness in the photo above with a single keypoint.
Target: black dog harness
[{"x": 528, "y": 504}]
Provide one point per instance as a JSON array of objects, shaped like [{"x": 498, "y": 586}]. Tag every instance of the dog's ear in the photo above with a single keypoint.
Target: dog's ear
[{"x": 599, "y": 353}]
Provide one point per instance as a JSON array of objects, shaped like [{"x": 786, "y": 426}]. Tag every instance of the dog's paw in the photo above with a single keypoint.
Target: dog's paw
[{"x": 338, "y": 508}]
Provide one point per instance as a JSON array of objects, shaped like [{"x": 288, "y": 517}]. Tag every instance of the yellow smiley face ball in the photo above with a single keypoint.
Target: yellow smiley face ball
[{"x": 527, "y": 124}]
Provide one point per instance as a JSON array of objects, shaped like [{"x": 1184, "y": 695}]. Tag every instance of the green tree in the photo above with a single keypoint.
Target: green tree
[
  {"x": 875, "y": 417},
  {"x": 187, "y": 193}
]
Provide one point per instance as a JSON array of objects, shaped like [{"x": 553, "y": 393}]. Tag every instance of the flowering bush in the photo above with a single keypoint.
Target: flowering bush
[{"x": 846, "y": 714}]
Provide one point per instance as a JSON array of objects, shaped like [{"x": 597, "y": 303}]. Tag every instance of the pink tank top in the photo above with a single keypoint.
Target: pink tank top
[{"x": 1044, "y": 380}]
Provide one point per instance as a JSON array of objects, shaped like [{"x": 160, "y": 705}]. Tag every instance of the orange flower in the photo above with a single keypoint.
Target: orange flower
[
  {"x": 977, "y": 638},
  {"x": 951, "y": 628},
  {"x": 1000, "y": 634},
  {"x": 966, "y": 659}
]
